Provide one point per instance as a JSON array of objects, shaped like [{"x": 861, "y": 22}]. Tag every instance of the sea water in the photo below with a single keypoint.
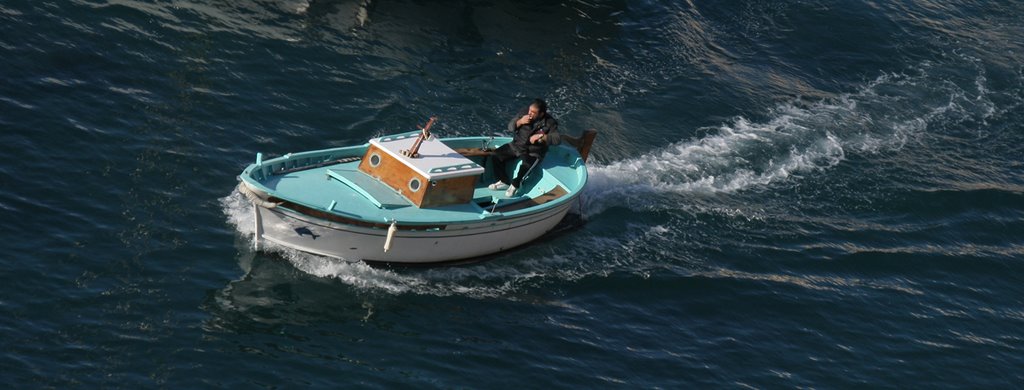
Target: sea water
[{"x": 782, "y": 194}]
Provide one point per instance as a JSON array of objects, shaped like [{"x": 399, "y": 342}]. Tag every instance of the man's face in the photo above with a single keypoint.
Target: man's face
[{"x": 534, "y": 113}]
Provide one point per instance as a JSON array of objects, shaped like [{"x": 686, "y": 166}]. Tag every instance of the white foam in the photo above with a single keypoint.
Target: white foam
[
  {"x": 797, "y": 139},
  {"x": 239, "y": 212}
]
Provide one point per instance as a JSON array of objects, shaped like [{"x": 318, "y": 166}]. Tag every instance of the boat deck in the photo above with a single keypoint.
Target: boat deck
[{"x": 344, "y": 190}]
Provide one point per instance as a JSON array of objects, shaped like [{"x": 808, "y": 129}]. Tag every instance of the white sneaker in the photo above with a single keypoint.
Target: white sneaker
[
  {"x": 510, "y": 192},
  {"x": 498, "y": 185}
]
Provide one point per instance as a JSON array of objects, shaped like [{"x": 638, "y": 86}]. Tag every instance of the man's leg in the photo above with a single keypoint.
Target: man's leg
[
  {"x": 528, "y": 161},
  {"x": 501, "y": 155}
]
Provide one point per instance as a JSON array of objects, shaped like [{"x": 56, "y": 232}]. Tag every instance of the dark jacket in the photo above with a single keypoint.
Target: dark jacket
[{"x": 521, "y": 145}]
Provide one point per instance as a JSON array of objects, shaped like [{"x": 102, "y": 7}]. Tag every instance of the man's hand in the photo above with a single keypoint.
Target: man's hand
[
  {"x": 523, "y": 121},
  {"x": 536, "y": 138}
]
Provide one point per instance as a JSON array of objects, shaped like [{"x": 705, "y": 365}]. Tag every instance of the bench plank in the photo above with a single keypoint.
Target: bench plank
[{"x": 372, "y": 189}]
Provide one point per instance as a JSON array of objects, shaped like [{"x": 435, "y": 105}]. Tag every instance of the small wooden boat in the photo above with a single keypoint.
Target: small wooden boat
[{"x": 409, "y": 198}]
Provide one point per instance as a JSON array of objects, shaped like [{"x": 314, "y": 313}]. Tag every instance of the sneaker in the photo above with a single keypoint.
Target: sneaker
[
  {"x": 498, "y": 185},
  {"x": 510, "y": 192}
]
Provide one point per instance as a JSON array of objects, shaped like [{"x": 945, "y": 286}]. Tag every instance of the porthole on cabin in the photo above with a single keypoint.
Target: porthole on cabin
[
  {"x": 414, "y": 184},
  {"x": 374, "y": 160}
]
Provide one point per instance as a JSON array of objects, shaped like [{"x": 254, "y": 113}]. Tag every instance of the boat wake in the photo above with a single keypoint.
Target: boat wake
[{"x": 798, "y": 138}]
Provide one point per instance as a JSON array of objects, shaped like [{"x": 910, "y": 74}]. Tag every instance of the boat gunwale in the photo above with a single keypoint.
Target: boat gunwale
[
  {"x": 403, "y": 232},
  {"x": 253, "y": 183}
]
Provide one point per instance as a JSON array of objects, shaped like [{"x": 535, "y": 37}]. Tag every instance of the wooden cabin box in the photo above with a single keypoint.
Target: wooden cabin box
[{"x": 438, "y": 176}]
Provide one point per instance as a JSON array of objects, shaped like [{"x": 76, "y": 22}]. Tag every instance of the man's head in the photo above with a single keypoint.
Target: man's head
[{"x": 537, "y": 109}]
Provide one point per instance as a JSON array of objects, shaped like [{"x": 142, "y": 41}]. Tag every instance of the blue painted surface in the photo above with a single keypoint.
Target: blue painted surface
[
  {"x": 370, "y": 188},
  {"x": 310, "y": 187}
]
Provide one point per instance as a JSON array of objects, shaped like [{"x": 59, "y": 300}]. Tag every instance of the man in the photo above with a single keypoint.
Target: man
[{"x": 533, "y": 129}]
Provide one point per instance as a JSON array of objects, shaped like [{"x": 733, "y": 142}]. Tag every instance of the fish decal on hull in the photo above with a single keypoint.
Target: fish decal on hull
[{"x": 302, "y": 231}]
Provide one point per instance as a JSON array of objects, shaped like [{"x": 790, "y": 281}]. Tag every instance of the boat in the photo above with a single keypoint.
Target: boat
[{"x": 410, "y": 198}]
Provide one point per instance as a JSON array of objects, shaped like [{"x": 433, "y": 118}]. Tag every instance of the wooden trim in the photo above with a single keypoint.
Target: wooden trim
[
  {"x": 587, "y": 142},
  {"x": 546, "y": 197},
  {"x": 326, "y": 216},
  {"x": 474, "y": 152}
]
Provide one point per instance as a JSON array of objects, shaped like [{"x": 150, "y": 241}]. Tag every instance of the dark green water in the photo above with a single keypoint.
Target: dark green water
[{"x": 783, "y": 194}]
